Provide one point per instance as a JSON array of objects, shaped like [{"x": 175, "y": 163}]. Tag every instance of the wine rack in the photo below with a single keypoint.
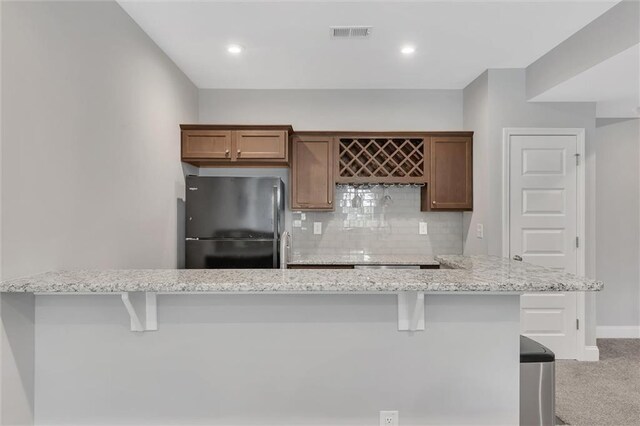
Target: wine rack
[{"x": 381, "y": 160}]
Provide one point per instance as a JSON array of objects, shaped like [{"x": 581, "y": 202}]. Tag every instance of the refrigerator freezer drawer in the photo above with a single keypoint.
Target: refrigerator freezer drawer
[{"x": 228, "y": 254}]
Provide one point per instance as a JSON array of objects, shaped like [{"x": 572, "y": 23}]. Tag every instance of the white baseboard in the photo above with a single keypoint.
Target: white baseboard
[
  {"x": 590, "y": 353},
  {"x": 618, "y": 332}
]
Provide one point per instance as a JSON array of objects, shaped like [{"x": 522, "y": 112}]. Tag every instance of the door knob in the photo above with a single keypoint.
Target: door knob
[{"x": 518, "y": 258}]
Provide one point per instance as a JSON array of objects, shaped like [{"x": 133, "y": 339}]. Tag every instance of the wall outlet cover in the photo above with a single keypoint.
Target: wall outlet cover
[
  {"x": 480, "y": 231},
  {"x": 297, "y": 223},
  {"x": 423, "y": 228},
  {"x": 317, "y": 228},
  {"x": 303, "y": 216},
  {"x": 389, "y": 418}
]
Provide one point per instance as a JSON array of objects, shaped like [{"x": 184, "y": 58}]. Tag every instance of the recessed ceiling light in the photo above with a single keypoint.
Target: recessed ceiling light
[
  {"x": 234, "y": 49},
  {"x": 407, "y": 50}
]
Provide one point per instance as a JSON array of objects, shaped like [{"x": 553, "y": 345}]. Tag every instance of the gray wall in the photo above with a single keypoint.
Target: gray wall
[
  {"x": 17, "y": 358},
  {"x": 618, "y": 212},
  {"x": 611, "y": 33},
  {"x": 336, "y": 109},
  {"x": 277, "y": 360},
  {"x": 476, "y": 118},
  {"x": 90, "y": 140},
  {"x": 90, "y": 163}
]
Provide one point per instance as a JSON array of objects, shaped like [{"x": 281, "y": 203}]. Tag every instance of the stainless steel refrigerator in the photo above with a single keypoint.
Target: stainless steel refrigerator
[{"x": 233, "y": 222}]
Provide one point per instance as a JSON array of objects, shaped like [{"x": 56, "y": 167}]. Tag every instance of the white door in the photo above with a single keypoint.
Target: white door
[{"x": 543, "y": 208}]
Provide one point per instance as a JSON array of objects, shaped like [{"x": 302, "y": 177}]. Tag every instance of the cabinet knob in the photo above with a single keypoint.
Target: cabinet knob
[
  {"x": 433, "y": 202},
  {"x": 329, "y": 201},
  {"x": 238, "y": 153},
  {"x": 226, "y": 152}
]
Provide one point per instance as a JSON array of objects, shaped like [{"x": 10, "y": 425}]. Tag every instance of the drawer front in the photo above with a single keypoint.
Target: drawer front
[
  {"x": 205, "y": 144},
  {"x": 260, "y": 145}
]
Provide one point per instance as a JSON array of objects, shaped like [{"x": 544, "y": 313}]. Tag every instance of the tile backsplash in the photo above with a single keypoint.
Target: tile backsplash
[{"x": 376, "y": 220}]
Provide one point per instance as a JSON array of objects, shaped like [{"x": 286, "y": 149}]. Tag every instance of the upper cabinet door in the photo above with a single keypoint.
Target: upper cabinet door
[
  {"x": 260, "y": 145},
  {"x": 312, "y": 179},
  {"x": 213, "y": 144},
  {"x": 451, "y": 173}
]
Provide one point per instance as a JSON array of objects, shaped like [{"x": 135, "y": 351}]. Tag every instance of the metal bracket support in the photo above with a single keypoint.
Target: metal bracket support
[
  {"x": 410, "y": 311},
  {"x": 143, "y": 310}
]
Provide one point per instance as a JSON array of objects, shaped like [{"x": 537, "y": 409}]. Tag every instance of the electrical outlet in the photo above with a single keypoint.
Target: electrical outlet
[
  {"x": 423, "y": 228},
  {"x": 389, "y": 418},
  {"x": 303, "y": 216},
  {"x": 317, "y": 228},
  {"x": 480, "y": 231},
  {"x": 297, "y": 223}
]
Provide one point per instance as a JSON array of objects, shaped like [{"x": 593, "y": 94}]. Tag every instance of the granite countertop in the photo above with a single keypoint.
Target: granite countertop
[
  {"x": 469, "y": 274},
  {"x": 364, "y": 259}
]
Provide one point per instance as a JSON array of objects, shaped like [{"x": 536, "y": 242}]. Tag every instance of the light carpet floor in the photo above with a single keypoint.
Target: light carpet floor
[{"x": 601, "y": 393}]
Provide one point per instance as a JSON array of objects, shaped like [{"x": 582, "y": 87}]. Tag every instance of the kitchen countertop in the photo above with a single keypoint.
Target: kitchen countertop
[
  {"x": 469, "y": 274},
  {"x": 364, "y": 259}
]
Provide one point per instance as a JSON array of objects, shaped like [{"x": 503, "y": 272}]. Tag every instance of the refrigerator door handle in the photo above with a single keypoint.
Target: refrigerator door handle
[{"x": 276, "y": 220}]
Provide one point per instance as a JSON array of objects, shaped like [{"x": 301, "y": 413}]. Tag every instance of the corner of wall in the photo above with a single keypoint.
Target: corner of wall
[{"x": 475, "y": 117}]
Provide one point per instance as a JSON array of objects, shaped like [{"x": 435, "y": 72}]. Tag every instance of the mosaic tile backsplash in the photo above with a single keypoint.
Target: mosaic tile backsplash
[{"x": 376, "y": 220}]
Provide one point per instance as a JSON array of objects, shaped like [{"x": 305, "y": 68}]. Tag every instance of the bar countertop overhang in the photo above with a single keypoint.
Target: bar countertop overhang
[{"x": 460, "y": 274}]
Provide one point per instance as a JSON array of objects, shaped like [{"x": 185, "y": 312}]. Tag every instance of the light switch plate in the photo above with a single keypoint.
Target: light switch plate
[
  {"x": 423, "y": 228},
  {"x": 317, "y": 228},
  {"x": 480, "y": 231}
]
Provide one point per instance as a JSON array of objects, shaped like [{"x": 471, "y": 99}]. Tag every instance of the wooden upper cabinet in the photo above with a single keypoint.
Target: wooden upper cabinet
[
  {"x": 312, "y": 173},
  {"x": 451, "y": 183},
  {"x": 260, "y": 144},
  {"x": 200, "y": 144},
  {"x": 441, "y": 162},
  {"x": 218, "y": 145}
]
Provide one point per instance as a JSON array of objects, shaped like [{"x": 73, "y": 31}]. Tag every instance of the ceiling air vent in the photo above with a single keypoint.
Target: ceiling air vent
[{"x": 350, "y": 32}]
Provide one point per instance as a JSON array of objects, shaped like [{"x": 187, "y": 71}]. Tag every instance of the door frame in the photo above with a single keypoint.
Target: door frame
[{"x": 584, "y": 352}]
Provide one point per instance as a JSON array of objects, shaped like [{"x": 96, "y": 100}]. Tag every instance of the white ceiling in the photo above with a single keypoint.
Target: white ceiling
[
  {"x": 287, "y": 44},
  {"x": 614, "y": 84}
]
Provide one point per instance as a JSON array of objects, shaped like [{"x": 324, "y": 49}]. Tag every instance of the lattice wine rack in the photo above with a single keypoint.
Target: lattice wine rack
[{"x": 382, "y": 160}]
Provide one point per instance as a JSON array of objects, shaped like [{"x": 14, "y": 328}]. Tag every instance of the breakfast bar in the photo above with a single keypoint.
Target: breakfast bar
[{"x": 440, "y": 346}]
